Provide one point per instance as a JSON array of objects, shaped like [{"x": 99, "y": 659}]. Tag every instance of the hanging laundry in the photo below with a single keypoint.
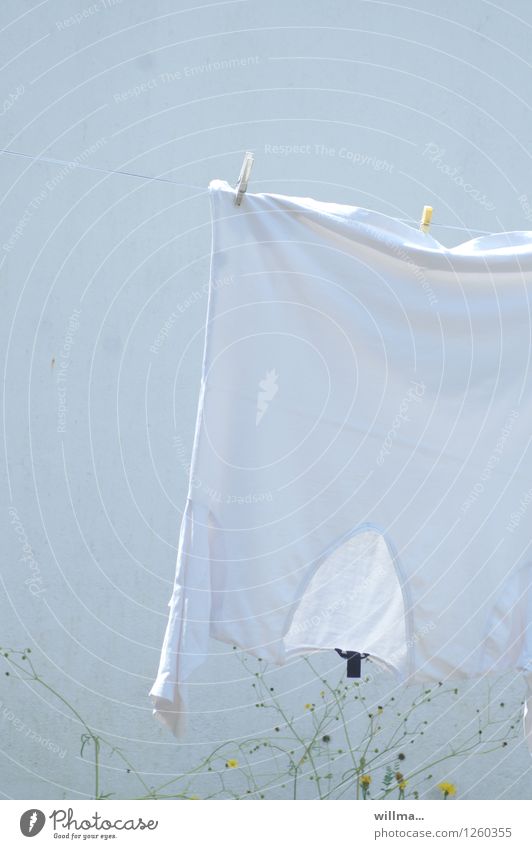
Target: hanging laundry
[{"x": 362, "y": 465}]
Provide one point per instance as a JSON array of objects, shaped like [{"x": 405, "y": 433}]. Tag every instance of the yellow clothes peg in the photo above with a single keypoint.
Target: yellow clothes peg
[{"x": 426, "y": 218}]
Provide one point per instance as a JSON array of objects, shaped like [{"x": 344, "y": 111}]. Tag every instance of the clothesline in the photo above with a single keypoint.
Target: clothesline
[{"x": 73, "y": 164}]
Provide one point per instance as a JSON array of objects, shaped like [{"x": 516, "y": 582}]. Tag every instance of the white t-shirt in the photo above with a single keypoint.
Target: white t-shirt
[{"x": 362, "y": 469}]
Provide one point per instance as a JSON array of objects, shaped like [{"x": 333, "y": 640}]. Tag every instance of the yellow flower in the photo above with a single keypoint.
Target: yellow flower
[
  {"x": 309, "y": 706},
  {"x": 365, "y": 780},
  {"x": 402, "y": 784},
  {"x": 447, "y": 788},
  {"x": 232, "y": 763}
]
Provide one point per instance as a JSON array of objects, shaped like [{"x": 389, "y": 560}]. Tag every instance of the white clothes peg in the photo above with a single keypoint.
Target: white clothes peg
[{"x": 243, "y": 178}]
